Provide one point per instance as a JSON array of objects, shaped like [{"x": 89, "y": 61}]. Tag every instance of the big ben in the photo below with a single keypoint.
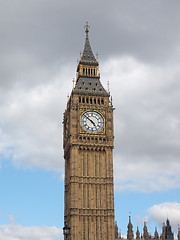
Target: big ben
[{"x": 88, "y": 153}]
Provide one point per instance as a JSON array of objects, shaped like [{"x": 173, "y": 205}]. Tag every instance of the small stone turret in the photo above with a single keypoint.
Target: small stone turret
[
  {"x": 163, "y": 232},
  {"x": 130, "y": 234},
  {"x": 145, "y": 232},
  {"x": 116, "y": 231},
  {"x": 178, "y": 233},
  {"x": 137, "y": 234},
  {"x": 156, "y": 235}
]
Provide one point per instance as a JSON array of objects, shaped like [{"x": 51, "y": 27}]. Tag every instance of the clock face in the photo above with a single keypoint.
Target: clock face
[{"x": 92, "y": 122}]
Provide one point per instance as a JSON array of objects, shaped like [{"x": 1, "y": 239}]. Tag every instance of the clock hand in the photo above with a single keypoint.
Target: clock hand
[{"x": 91, "y": 121}]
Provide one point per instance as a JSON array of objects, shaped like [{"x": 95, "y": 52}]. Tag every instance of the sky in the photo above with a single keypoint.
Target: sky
[{"x": 138, "y": 44}]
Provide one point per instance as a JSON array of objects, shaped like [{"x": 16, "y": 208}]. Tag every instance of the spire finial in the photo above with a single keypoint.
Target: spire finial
[
  {"x": 87, "y": 28},
  {"x": 97, "y": 55}
]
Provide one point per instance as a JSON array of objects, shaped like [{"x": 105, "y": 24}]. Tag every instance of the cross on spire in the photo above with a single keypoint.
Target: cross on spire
[{"x": 87, "y": 28}]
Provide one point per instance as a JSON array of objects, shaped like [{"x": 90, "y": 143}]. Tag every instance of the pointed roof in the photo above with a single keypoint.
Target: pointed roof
[
  {"x": 137, "y": 233},
  {"x": 156, "y": 235},
  {"x": 87, "y": 55},
  {"x": 145, "y": 232},
  {"x": 178, "y": 233},
  {"x": 168, "y": 231},
  {"x": 89, "y": 84},
  {"x": 130, "y": 234}
]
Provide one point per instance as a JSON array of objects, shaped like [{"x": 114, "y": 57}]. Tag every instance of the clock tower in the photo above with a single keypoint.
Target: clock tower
[{"x": 88, "y": 153}]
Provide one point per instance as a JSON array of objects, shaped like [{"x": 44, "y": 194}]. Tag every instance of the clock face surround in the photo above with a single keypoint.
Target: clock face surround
[{"x": 92, "y": 121}]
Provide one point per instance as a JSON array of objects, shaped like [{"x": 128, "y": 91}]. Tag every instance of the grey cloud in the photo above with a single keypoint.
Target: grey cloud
[
  {"x": 31, "y": 124},
  {"x": 138, "y": 45},
  {"x": 147, "y": 124},
  {"x": 40, "y": 34}
]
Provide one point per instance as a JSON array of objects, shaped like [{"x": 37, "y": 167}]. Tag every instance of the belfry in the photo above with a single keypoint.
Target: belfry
[{"x": 88, "y": 152}]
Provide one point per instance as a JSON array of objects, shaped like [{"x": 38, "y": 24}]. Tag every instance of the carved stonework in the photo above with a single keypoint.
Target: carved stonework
[
  {"x": 138, "y": 234},
  {"x": 88, "y": 152},
  {"x": 156, "y": 235},
  {"x": 130, "y": 234},
  {"x": 178, "y": 233},
  {"x": 145, "y": 232}
]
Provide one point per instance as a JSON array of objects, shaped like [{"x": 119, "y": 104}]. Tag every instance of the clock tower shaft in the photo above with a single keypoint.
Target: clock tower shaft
[{"x": 88, "y": 153}]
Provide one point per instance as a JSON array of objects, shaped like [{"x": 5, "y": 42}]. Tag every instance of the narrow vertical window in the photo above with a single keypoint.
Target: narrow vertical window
[
  {"x": 87, "y": 165},
  {"x": 110, "y": 198},
  {"x": 88, "y": 196},
  {"x": 89, "y": 71},
  {"x": 95, "y": 165},
  {"x": 86, "y": 71},
  {"x": 83, "y": 166},
  {"x": 100, "y": 195},
  {"x": 96, "y": 229},
  {"x": 88, "y": 228},
  {"x": 96, "y": 196},
  {"x": 83, "y": 71},
  {"x": 94, "y": 72},
  {"x": 84, "y": 228},
  {"x": 99, "y": 166},
  {"x": 100, "y": 229},
  {"x": 83, "y": 196}
]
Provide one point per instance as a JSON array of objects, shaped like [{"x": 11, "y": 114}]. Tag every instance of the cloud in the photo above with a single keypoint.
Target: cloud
[
  {"x": 14, "y": 231},
  {"x": 159, "y": 213},
  {"x": 140, "y": 56},
  {"x": 31, "y": 123},
  {"x": 147, "y": 124}
]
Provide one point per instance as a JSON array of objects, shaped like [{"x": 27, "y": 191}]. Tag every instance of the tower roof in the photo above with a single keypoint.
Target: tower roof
[
  {"x": 87, "y": 55},
  {"x": 88, "y": 77},
  {"x": 88, "y": 85}
]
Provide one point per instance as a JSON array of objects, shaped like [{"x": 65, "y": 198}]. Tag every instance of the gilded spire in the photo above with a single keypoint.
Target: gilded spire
[{"x": 168, "y": 231}]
